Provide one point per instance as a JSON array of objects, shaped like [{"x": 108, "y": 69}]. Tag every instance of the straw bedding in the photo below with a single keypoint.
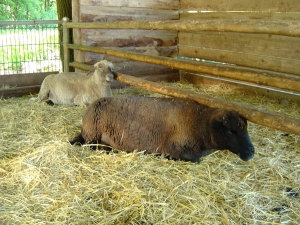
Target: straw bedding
[{"x": 44, "y": 180}]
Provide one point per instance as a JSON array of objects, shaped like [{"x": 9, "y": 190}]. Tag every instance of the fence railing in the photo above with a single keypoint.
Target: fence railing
[{"x": 29, "y": 47}]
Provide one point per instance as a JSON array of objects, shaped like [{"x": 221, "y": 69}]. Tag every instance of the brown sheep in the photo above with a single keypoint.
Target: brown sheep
[{"x": 180, "y": 128}]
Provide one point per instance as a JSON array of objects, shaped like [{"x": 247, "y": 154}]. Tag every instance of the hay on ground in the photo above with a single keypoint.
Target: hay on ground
[{"x": 45, "y": 180}]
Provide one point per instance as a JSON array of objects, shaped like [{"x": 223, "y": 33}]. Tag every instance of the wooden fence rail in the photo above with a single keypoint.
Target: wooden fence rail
[
  {"x": 274, "y": 79},
  {"x": 288, "y": 28}
]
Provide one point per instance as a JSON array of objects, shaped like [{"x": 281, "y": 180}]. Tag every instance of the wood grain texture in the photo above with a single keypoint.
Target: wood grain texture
[
  {"x": 265, "y": 62},
  {"x": 264, "y": 44},
  {"x": 106, "y": 14},
  {"x": 156, "y": 4},
  {"x": 238, "y": 5},
  {"x": 128, "y": 38},
  {"x": 239, "y": 15},
  {"x": 271, "y": 52},
  {"x": 288, "y": 28},
  {"x": 20, "y": 80}
]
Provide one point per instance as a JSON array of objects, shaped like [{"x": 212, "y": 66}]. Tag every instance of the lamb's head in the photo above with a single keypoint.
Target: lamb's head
[
  {"x": 229, "y": 131},
  {"x": 104, "y": 70}
]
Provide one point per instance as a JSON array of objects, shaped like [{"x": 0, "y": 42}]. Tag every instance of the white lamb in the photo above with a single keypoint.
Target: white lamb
[{"x": 78, "y": 88}]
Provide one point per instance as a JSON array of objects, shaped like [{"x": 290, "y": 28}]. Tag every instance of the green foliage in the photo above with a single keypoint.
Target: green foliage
[
  {"x": 34, "y": 45},
  {"x": 28, "y": 10}
]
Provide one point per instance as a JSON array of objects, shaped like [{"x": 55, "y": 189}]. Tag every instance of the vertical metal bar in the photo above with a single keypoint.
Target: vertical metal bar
[{"x": 66, "y": 38}]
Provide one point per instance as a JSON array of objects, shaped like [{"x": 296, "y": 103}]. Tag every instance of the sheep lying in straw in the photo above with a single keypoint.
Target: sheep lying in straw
[
  {"x": 78, "y": 88},
  {"x": 179, "y": 128}
]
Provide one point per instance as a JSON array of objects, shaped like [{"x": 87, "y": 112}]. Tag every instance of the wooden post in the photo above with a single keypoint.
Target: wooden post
[
  {"x": 66, "y": 37},
  {"x": 273, "y": 79}
]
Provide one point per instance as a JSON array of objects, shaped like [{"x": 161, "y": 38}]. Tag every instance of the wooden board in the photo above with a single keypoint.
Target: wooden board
[
  {"x": 19, "y": 91},
  {"x": 158, "y": 42},
  {"x": 19, "y": 80},
  {"x": 128, "y": 38},
  {"x": 239, "y": 5},
  {"x": 258, "y": 44},
  {"x": 271, "y": 52},
  {"x": 156, "y": 4},
  {"x": 254, "y": 61},
  {"x": 106, "y": 14},
  {"x": 238, "y": 15},
  {"x": 92, "y": 58}
]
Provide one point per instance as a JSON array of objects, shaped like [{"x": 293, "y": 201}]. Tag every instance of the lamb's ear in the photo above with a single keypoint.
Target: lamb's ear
[{"x": 91, "y": 72}]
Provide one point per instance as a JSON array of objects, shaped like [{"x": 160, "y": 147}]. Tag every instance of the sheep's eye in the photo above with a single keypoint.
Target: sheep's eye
[{"x": 230, "y": 131}]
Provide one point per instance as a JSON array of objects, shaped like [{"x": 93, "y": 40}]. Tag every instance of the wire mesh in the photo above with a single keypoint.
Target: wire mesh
[{"x": 29, "y": 47}]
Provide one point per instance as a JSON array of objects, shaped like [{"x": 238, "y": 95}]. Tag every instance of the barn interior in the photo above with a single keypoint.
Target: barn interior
[{"x": 232, "y": 54}]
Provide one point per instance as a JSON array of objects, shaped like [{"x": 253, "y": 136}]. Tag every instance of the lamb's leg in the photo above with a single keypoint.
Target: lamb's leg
[
  {"x": 78, "y": 100},
  {"x": 44, "y": 92}
]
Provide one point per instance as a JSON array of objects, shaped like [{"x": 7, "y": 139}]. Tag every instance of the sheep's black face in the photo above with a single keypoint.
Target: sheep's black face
[{"x": 232, "y": 134}]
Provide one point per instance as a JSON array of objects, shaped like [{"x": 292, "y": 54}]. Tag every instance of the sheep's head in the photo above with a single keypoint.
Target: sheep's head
[
  {"x": 229, "y": 131},
  {"x": 104, "y": 70}
]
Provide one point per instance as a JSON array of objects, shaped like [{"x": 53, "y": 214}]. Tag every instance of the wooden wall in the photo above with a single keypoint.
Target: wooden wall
[
  {"x": 153, "y": 42},
  {"x": 263, "y": 51}
]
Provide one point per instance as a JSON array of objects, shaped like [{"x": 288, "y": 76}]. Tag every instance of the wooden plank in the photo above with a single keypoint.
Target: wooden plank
[
  {"x": 157, "y": 4},
  {"x": 277, "y": 64},
  {"x": 128, "y": 38},
  {"x": 19, "y": 91},
  {"x": 19, "y": 80},
  {"x": 136, "y": 68},
  {"x": 259, "y": 44},
  {"x": 279, "y": 80},
  {"x": 103, "y": 14},
  {"x": 238, "y": 15},
  {"x": 171, "y": 77},
  {"x": 272, "y": 120},
  {"x": 238, "y": 5},
  {"x": 92, "y": 58},
  {"x": 288, "y": 28}
]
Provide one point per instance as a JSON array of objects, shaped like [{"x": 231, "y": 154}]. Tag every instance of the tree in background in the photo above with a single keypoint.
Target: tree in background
[
  {"x": 28, "y": 10},
  {"x": 64, "y": 9}
]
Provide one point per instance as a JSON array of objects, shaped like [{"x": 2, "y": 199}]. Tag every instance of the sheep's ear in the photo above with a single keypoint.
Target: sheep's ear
[
  {"x": 91, "y": 72},
  {"x": 219, "y": 117}
]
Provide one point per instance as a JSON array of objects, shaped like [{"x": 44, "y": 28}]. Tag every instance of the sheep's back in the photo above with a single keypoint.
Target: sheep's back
[{"x": 136, "y": 122}]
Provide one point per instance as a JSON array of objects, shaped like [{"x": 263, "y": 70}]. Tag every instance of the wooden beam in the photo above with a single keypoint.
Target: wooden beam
[
  {"x": 272, "y": 120},
  {"x": 19, "y": 91},
  {"x": 273, "y": 79},
  {"x": 20, "y": 80},
  {"x": 288, "y": 28}
]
